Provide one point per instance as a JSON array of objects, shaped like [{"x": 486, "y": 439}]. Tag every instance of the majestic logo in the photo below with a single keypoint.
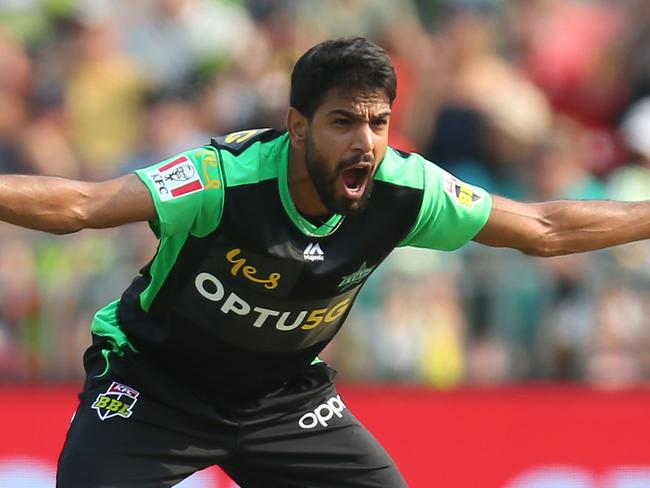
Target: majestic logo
[
  {"x": 461, "y": 192},
  {"x": 176, "y": 179},
  {"x": 323, "y": 413},
  {"x": 313, "y": 252},
  {"x": 116, "y": 402},
  {"x": 249, "y": 272},
  {"x": 355, "y": 278}
]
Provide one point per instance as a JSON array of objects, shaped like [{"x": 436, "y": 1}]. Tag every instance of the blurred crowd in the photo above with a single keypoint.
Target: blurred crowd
[{"x": 530, "y": 99}]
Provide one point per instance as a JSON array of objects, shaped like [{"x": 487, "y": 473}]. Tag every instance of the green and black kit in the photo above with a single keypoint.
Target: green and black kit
[{"x": 244, "y": 292}]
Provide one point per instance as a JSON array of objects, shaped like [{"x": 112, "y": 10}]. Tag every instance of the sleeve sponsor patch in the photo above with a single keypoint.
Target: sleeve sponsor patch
[
  {"x": 176, "y": 179},
  {"x": 462, "y": 192}
]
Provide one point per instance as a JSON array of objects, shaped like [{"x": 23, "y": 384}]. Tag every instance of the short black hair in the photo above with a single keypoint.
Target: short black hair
[{"x": 348, "y": 63}]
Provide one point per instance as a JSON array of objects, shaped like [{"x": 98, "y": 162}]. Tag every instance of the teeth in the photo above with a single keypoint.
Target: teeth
[{"x": 354, "y": 187}]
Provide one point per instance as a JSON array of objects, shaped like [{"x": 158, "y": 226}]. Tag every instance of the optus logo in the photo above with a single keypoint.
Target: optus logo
[{"x": 212, "y": 289}]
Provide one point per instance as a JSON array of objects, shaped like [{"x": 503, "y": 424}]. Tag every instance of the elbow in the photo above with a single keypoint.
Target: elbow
[
  {"x": 536, "y": 250},
  {"x": 78, "y": 215},
  {"x": 541, "y": 251},
  {"x": 77, "y": 220},
  {"x": 544, "y": 243},
  {"x": 71, "y": 220},
  {"x": 547, "y": 246},
  {"x": 64, "y": 228},
  {"x": 61, "y": 231},
  {"x": 539, "y": 247}
]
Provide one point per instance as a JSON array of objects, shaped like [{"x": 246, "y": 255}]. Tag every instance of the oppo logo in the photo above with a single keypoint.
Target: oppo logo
[{"x": 323, "y": 413}]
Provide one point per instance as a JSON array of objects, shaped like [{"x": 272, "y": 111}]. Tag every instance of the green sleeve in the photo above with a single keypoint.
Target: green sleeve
[
  {"x": 187, "y": 192},
  {"x": 452, "y": 212}
]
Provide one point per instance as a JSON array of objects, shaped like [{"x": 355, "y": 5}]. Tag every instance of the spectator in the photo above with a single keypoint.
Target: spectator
[
  {"x": 97, "y": 88},
  {"x": 103, "y": 100}
]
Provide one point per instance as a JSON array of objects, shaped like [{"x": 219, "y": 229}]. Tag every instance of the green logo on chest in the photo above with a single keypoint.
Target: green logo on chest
[{"x": 355, "y": 278}]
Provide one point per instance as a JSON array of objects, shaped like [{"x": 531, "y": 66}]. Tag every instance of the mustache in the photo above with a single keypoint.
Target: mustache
[{"x": 352, "y": 160}]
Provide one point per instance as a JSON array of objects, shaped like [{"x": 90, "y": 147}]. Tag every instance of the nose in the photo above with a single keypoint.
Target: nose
[{"x": 363, "y": 139}]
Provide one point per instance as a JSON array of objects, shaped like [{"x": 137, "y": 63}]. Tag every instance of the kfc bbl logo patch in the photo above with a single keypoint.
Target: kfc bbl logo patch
[
  {"x": 462, "y": 192},
  {"x": 176, "y": 179},
  {"x": 116, "y": 402}
]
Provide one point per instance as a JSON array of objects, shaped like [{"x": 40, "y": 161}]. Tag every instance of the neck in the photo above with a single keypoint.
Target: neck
[{"x": 302, "y": 189}]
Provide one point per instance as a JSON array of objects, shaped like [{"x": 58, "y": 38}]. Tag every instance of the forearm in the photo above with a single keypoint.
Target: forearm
[
  {"x": 43, "y": 203},
  {"x": 564, "y": 227},
  {"x": 61, "y": 206},
  {"x": 578, "y": 226}
]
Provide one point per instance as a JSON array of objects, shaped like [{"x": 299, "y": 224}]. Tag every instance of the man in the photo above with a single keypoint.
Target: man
[{"x": 210, "y": 356}]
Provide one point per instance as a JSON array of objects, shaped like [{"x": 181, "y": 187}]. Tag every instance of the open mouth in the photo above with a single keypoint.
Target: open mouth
[{"x": 355, "y": 178}]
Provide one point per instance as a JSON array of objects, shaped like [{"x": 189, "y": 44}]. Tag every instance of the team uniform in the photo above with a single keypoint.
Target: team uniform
[{"x": 210, "y": 356}]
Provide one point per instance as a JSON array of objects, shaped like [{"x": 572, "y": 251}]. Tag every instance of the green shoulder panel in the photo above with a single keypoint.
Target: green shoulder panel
[
  {"x": 401, "y": 169},
  {"x": 452, "y": 211},
  {"x": 251, "y": 156},
  {"x": 256, "y": 155},
  {"x": 187, "y": 191}
]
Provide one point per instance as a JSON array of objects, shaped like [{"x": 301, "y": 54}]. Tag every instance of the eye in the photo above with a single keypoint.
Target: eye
[
  {"x": 380, "y": 123},
  {"x": 342, "y": 122}
]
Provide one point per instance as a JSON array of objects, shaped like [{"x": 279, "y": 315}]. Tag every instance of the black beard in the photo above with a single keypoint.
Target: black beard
[{"x": 325, "y": 183}]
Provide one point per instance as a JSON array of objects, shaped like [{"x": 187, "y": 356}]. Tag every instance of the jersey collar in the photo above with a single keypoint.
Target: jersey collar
[{"x": 303, "y": 225}]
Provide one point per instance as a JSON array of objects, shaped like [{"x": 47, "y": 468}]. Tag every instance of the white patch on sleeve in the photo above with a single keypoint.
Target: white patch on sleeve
[{"x": 176, "y": 179}]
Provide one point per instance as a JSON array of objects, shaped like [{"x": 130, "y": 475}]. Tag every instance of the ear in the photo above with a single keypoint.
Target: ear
[{"x": 297, "y": 125}]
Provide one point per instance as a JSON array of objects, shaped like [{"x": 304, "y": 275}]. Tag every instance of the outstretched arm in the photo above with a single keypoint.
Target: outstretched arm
[
  {"x": 564, "y": 227},
  {"x": 62, "y": 206}
]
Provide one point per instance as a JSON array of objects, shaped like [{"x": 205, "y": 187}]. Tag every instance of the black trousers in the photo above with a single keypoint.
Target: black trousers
[{"x": 139, "y": 429}]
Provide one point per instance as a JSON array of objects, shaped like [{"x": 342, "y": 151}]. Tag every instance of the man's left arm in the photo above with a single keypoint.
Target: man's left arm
[{"x": 564, "y": 227}]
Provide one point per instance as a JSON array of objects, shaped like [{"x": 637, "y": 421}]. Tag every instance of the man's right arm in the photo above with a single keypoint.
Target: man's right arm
[{"x": 62, "y": 206}]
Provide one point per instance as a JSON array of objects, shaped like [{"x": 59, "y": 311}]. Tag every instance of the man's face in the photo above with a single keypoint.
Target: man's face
[{"x": 346, "y": 141}]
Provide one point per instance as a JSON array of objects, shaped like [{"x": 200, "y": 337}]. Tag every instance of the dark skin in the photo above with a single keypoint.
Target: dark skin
[{"x": 345, "y": 126}]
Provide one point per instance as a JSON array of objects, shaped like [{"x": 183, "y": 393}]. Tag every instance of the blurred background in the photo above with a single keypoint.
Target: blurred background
[{"x": 530, "y": 99}]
